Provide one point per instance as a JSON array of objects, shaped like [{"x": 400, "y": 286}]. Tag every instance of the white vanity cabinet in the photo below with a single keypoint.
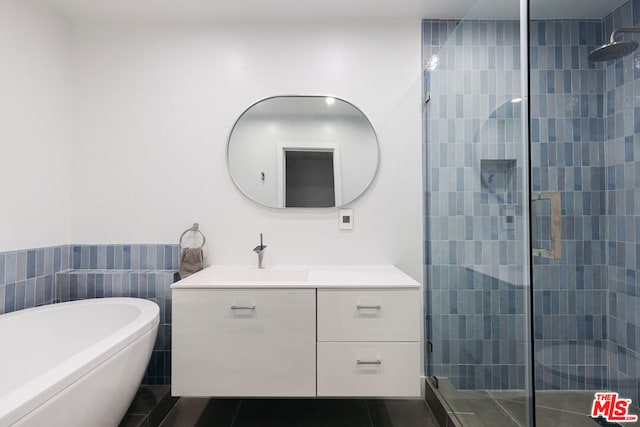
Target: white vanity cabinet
[
  {"x": 368, "y": 342},
  {"x": 336, "y": 331},
  {"x": 246, "y": 342}
]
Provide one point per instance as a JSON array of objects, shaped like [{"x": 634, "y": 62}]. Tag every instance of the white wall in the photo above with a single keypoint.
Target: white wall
[
  {"x": 35, "y": 125},
  {"x": 153, "y": 108}
]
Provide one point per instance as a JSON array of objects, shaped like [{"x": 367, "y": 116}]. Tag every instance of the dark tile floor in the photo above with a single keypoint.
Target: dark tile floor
[
  {"x": 149, "y": 407},
  {"x": 201, "y": 412},
  {"x": 506, "y": 408}
]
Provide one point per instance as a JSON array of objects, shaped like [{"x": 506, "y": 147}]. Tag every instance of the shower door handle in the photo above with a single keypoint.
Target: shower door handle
[{"x": 556, "y": 225}]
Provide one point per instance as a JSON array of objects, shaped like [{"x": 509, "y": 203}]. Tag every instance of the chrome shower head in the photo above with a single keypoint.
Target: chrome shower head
[{"x": 613, "y": 49}]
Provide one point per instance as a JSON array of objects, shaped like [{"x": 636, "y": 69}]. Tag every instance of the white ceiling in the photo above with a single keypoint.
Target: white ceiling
[{"x": 318, "y": 10}]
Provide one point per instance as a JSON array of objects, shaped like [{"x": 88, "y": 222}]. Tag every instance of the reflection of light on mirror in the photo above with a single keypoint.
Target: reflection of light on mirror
[
  {"x": 329, "y": 100},
  {"x": 516, "y": 100},
  {"x": 432, "y": 63}
]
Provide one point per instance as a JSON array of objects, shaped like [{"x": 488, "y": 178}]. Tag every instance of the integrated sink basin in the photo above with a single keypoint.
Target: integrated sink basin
[{"x": 248, "y": 275}]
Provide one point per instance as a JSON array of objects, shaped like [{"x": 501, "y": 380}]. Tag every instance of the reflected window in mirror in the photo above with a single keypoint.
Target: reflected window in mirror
[{"x": 309, "y": 179}]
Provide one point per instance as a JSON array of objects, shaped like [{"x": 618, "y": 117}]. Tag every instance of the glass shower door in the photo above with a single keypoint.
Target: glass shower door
[
  {"x": 476, "y": 217},
  {"x": 584, "y": 126}
]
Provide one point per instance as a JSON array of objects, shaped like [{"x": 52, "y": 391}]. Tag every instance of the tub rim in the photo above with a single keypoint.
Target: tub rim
[{"x": 20, "y": 402}]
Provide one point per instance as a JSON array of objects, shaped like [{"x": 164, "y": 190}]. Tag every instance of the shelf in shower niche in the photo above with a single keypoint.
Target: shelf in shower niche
[{"x": 498, "y": 181}]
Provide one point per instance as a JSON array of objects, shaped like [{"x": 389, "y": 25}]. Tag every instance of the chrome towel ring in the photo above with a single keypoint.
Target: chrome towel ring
[{"x": 196, "y": 229}]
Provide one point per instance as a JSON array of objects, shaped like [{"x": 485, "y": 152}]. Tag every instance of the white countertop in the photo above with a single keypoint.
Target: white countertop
[{"x": 298, "y": 276}]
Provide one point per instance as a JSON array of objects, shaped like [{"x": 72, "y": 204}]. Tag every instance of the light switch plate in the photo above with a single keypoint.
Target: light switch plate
[{"x": 346, "y": 219}]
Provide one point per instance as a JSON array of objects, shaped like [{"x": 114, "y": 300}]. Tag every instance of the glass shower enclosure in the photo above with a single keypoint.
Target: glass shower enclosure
[{"x": 532, "y": 203}]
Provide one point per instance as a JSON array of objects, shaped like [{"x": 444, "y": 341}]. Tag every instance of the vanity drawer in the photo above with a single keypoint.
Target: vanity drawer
[
  {"x": 370, "y": 369},
  {"x": 246, "y": 342},
  {"x": 369, "y": 315}
]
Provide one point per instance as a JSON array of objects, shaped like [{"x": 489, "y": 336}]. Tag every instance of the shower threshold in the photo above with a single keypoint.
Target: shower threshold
[{"x": 491, "y": 408}]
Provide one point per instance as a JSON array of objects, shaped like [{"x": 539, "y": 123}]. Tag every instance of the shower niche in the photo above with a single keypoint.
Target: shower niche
[{"x": 498, "y": 181}]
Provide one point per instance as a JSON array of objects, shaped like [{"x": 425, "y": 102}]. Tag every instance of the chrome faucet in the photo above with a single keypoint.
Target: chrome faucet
[{"x": 260, "y": 251}]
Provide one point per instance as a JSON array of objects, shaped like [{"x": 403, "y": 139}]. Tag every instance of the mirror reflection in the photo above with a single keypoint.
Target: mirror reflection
[{"x": 302, "y": 151}]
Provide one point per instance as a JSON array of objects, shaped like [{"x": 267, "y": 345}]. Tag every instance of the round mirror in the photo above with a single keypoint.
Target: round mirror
[{"x": 302, "y": 151}]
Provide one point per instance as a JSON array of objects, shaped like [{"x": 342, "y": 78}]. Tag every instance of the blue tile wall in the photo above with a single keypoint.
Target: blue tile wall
[
  {"x": 473, "y": 158},
  {"x": 567, "y": 155},
  {"x": 140, "y": 271},
  {"x": 41, "y": 276},
  {"x": 27, "y": 277},
  {"x": 584, "y": 129},
  {"x": 622, "y": 204},
  {"x": 125, "y": 257}
]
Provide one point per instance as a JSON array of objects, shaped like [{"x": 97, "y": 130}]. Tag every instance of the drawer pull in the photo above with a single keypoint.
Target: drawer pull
[
  {"x": 243, "y": 307},
  {"x": 369, "y": 362},
  {"x": 369, "y": 307}
]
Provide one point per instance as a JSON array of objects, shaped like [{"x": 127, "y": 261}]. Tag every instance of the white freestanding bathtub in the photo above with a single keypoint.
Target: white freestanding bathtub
[{"x": 74, "y": 364}]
